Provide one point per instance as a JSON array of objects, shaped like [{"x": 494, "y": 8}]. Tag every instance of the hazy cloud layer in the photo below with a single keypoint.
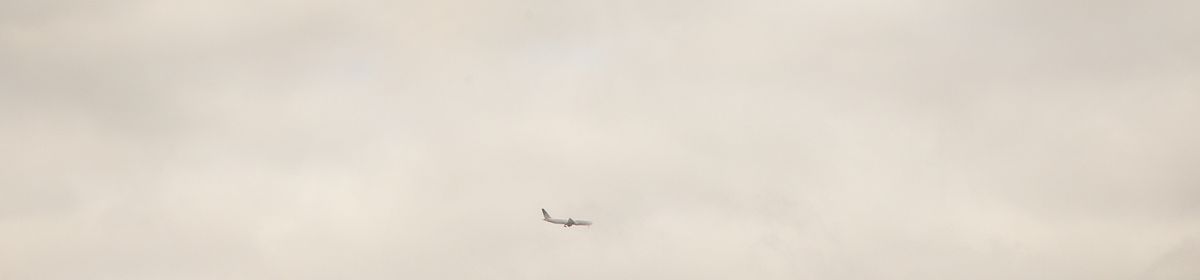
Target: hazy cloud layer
[{"x": 917, "y": 139}]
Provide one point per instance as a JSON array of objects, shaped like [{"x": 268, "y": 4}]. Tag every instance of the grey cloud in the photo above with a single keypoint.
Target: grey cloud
[{"x": 707, "y": 139}]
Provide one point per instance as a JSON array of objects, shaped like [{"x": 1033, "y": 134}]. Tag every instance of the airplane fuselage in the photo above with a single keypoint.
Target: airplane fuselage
[
  {"x": 565, "y": 222},
  {"x": 556, "y": 221}
]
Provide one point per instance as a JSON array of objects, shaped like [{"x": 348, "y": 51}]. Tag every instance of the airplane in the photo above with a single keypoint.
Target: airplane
[{"x": 566, "y": 223}]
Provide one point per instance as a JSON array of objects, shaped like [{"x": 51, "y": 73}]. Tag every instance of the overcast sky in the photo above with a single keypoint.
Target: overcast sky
[{"x": 862, "y": 139}]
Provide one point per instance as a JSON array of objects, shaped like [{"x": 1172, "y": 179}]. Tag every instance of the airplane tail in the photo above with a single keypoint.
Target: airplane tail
[{"x": 544, "y": 214}]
